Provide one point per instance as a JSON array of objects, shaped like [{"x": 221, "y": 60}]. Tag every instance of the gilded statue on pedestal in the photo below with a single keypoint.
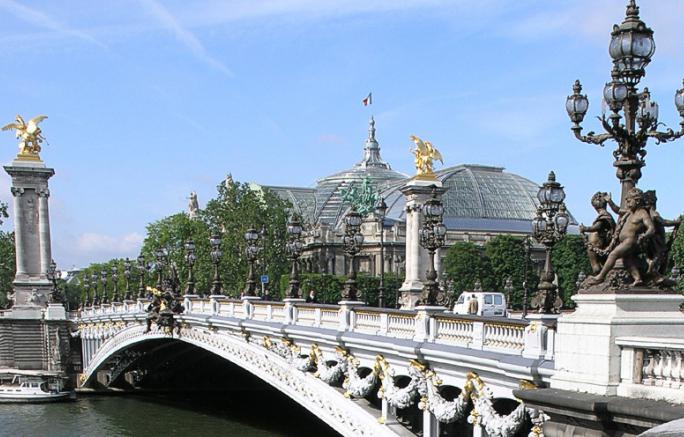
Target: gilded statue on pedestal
[
  {"x": 30, "y": 136},
  {"x": 425, "y": 153}
]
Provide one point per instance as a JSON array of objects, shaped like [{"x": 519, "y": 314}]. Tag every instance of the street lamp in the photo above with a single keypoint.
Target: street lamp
[
  {"x": 548, "y": 227},
  {"x": 52, "y": 275},
  {"x": 631, "y": 47},
  {"x": 431, "y": 236},
  {"x": 86, "y": 288},
  {"x": 127, "y": 277},
  {"x": 103, "y": 280},
  {"x": 294, "y": 249},
  {"x": 93, "y": 282},
  {"x": 352, "y": 241},
  {"x": 215, "y": 243},
  {"x": 252, "y": 252},
  {"x": 115, "y": 281},
  {"x": 160, "y": 255},
  {"x": 508, "y": 287},
  {"x": 581, "y": 276},
  {"x": 190, "y": 259},
  {"x": 142, "y": 269},
  {"x": 381, "y": 211}
]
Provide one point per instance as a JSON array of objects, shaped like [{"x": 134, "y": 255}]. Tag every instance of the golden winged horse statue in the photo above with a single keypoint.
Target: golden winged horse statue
[
  {"x": 425, "y": 153},
  {"x": 29, "y": 135}
]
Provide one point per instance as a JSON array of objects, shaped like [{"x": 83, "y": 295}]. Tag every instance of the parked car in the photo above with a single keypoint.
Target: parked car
[{"x": 488, "y": 303}]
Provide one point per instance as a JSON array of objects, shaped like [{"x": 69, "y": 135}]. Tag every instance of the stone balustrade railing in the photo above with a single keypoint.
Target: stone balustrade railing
[
  {"x": 652, "y": 368},
  {"x": 503, "y": 335}
]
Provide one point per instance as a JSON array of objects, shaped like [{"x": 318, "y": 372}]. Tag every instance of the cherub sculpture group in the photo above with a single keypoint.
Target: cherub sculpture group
[{"x": 638, "y": 239}]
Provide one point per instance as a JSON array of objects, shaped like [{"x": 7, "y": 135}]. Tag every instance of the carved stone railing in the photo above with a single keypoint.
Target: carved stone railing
[
  {"x": 502, "y": 335},
  {"x": 652, "y": 368}
]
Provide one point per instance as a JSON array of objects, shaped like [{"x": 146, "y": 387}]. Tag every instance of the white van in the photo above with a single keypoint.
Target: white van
[{"x": 488, "y": 303}]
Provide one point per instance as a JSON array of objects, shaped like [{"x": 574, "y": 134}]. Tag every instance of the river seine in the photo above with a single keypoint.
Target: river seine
[{"x": 243, "y": 414}]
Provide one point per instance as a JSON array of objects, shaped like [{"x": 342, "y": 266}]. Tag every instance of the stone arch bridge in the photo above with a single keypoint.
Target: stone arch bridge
[{"x": 361, "y": 370}]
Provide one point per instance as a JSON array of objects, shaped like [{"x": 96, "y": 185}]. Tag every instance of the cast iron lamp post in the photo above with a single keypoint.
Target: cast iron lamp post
[
  {"x": 381, "y": 210},
  {"x": 142, "y": 269},
  {"x": 53, "y": 274},
  {"x": 294, "y": 249},
  {"x": 508, "y": 287},
  {"x": 631, "y": 47},
  {"x": 93, "y": 282},
  {"x": 190, "y": 259},
  {"x": 581, "y": 276},
  {"x": 352, "y": 241},
  {"x": 115, "y": 282},
  {"x": 86, "y": 288},
  {"x": 127, "y": 277},
  {"x": 103, "y": 280},
  {"x": 252, "y": 252},
  {"x": 216, "y": 284},
  {"x": 431, "y": 236},
  {"x": 548, "y": 227},
  {"x": 160, "y": 255}
]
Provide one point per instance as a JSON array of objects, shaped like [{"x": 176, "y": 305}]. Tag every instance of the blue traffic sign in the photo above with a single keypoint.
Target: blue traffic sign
[{"x": 264, "y": 279}]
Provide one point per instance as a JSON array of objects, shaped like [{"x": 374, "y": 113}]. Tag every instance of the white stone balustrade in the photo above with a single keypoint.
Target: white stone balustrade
[
  {"x": 508, "y": 336},
  {"x": 652, "y": 368}
]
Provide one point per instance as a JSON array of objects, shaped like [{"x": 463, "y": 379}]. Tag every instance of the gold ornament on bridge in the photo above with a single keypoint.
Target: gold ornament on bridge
[
  {"x": 30, "y": 137},
  {"x": 425, "y": 153}
]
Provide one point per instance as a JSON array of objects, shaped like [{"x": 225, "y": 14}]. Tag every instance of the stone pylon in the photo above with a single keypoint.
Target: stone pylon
[
  {"x": 417, "y": 191},
  {"x": 32, "y": 287}
]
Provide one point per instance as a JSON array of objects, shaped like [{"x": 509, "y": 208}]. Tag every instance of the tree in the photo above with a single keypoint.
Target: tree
[
  {"x": 506, "y": 255},
  {"x": 8, "y": 259},
  {"x": 677, "y": 255},
  {"x": 466, "y": 263},
  {"x": 569, "y": 259},
  {"x": 238, "y": 208}
]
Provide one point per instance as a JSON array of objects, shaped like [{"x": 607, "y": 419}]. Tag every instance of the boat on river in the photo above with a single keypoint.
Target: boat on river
[{"x": 22, "y": 388}]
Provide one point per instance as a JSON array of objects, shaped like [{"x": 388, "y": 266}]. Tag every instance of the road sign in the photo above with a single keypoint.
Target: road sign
[{"x": 264, "y": 279}]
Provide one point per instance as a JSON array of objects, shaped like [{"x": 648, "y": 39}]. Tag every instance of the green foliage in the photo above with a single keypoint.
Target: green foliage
[
  {"x": 466, "y": 263},
  {"x": 506, "y": 256},
  {"x": 328, "y": 287},
  {"x": 237, "y": 208},
  {"x": 569, "y": 259},
  {"x": 8, "y": 263},
  {"x": 677, "y": 255}
]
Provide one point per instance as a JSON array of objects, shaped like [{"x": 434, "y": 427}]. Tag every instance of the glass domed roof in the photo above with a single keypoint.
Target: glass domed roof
[{"x": 478, "y": 197}]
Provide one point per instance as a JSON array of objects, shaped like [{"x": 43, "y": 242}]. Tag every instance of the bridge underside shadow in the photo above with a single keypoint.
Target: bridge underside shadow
[{"x": 185, "y": 375}]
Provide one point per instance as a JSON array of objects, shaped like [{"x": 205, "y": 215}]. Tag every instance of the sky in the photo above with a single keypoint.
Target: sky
[{"x": 149, "y": 100}]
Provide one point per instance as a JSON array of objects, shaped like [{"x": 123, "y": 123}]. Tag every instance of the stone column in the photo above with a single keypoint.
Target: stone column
[
  {"x": 32, "y": 236},
  {"x": 44, "y": 231},
  {"x": 417, "y": 192}
]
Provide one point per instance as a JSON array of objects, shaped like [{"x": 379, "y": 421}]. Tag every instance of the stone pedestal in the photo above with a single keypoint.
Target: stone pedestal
[
  {"x": 587, "y": 357},
  {"x": 347, "y": 321},
  {"x": 417, "y": 192},
  {"x": 55, "y": 311},
  {"x": 32, "y": 233}
]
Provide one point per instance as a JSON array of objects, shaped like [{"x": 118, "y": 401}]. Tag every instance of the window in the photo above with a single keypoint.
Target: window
[
  {"x": 488, "y": 299},
  {"x": 498, "y": 300}
]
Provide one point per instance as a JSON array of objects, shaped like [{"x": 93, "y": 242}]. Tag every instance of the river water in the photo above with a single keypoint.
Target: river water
[{"x": 244, "y": 414}]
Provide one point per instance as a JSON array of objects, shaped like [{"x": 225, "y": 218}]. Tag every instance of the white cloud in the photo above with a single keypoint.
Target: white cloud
[
  {"x": 186, "y": 37},
  {"x": 103, "y": 247},
  {"x": 45, "y": 21}
]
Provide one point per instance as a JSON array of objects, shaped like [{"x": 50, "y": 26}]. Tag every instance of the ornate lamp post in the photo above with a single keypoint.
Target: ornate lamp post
[
  {"x": 264, "y": 234},
  {"x": 215, "y": 242},
  {"x": 127, "y": 277},
  {"x": 190, "y": 259},
  {"x": 142, "y": 269},
  {"x": 103, "y": 280},
  {"x": 160, "y": 256},
  {"x": 115, "y": 282},
  {"x": 294, "y": 249},
  {"x": 52, "y": 275},
  {"x": 93, "y": 282},
  {"x": 352, "y": 242},
  {"x": 548, "y": 227},
  {"x": 631, "y": 47},
  {"x": 380, "y": 211},
  {"x": 252, "y": 252},
  {"x": 581, "y": 276},
  {"x": 431, "y": 236},
  {"x": 508, "y": 287},
  {"x": 86, "y": 288}
]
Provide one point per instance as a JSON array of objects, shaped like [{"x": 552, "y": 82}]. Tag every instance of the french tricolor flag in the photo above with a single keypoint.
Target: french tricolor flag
[{"x": 368, "y": 100}]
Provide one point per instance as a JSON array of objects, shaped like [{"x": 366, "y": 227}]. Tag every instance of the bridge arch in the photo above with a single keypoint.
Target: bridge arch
[{"x": 322, "y": 400}]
